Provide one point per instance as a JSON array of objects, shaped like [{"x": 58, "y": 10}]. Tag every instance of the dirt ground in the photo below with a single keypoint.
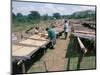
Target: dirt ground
[{"x": 54, "y": 59}]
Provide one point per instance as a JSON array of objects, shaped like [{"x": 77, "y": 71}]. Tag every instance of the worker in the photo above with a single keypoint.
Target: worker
[
  {"x": 14, "y": 37},
  {"x": 36, "y": 30},
  {"x": 66, "y": 28},
  {"x": 51, "y": 36}
]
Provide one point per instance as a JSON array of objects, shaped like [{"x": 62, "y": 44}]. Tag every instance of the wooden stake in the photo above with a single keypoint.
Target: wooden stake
[
  {"x": 45, "y": 66},
  {"x": 85, "y": 32},
  {"x": 23, "y": 67},
  {"x": 19, "y": 62},
  {"x": 81, "y": 45}
]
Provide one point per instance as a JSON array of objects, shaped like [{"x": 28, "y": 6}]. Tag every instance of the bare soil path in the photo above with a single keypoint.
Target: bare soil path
[{"x": 53, "y": 59}]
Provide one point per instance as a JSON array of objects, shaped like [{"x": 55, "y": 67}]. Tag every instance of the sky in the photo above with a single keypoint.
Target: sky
[{"x": 47, "y": 8}]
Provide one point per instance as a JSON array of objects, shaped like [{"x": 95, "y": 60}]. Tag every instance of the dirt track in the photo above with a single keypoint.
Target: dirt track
[{"x": 54, "y": 58}]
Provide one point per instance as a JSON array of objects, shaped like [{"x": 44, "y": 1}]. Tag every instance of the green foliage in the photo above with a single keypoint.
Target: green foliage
[
  {"x": 81, "y": 14},
  {"x": 20, "y": 20},
  {"x": 57, "y": 15},
  {"x": 45, "y": 17},
  {"x": 34, "y": 15}
]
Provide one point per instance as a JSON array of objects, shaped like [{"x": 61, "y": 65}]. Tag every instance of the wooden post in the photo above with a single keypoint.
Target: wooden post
[
  {"x": 80, "y": 57},
  {"x": 45, "y": 66},
  {"x": 23, "y": 67},
  {"x": 81, "y": 45},
  {"x": 85, "y": 32},
  {"x": 81, "y": 53},
  {"x": 22, "y": 64},
  {"x": 19, "y": 62},
  {"x": 44, "y": 49}
]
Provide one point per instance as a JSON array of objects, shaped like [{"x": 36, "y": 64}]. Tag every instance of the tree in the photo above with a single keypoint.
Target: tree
[
  {"x": 34, "y": 15},
  {"x": 57, "y": 15},
  {"x": 20, "y": 17},
  {"x": 13, "y": 15},
  {"x": 45, "y": 17}
]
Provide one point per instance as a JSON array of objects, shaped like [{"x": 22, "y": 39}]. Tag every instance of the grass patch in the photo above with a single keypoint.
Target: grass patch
[
  {"x": 73, "y": 51},
  {"x": 37, "y": 67},
  {"x": 87, "y": 63}
]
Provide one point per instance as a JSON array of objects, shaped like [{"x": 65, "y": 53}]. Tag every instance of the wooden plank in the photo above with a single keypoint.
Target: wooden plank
[
  {"x": 15, "y": 47},
  {"x": 86, "y": 36},
  {"x": 34, "y": 42},
  {"x": 25, "y": 45},
  {"x": 27, "y": 48},
  {"x": 59, "y": 29},
  {"x": 19, "y": 62},
  {"x": 81, "y": 45},
  {"x": 23, "y": 67},
  {"x": 37, "y": 37},
  {"x": 25, "y": 51},
  {"x": 84, "y": 32},
  {"x": 89, "y": 22}
]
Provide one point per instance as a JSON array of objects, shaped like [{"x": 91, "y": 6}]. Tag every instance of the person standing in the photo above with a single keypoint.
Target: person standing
[
  {"x": 66, "y": 28},
  {"x": 36, "y": 30},
  {"x": 14, "y": 37},
  {"x": 51, "y": 36}
]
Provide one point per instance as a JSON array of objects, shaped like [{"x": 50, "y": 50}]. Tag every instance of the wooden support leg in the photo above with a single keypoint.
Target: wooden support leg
[
  {"x": 44, "y": 51},
  {"x": 23, "y": 67},
  {"x": 45, "y": 66},
  {"x": 68, "y": 64},
  {"x": 81, "y": 55}
]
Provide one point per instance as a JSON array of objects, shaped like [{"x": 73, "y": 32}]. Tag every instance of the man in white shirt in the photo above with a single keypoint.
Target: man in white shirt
[
  {"x": 14, "y": 37},
  {"x": 66, "y": 28}
]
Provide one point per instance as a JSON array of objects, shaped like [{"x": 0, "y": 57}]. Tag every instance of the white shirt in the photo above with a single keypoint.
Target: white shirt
[
  {"x": 66, "y": 28},
  {"x": 14, "y": 37}
]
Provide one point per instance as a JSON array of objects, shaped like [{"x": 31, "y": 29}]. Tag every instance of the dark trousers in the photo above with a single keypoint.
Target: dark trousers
[
  {"x": 65, "y": 33},
  {"x": 53, "y": 42}
]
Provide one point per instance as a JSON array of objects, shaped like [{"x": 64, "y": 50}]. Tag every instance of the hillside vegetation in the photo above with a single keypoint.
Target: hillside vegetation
[{"x": 22, "y": 22}]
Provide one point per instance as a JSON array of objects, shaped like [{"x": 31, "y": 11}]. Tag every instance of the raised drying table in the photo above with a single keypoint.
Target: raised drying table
[
  {"x": 59, "y": 31},
  {"x": 25, "y": 49}
]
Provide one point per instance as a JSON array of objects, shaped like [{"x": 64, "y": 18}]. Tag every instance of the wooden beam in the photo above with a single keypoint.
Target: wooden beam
[
  {"x": 23, "y": 67},
  {"x": 26, "y": 45},
  {"x": 45, "y": 66},
  {"x": 85, "y": 32},
  {"x": 38, "y": 39},
  {"x": 19, "y": 62},
  {"x": 81, "y": 45}
]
